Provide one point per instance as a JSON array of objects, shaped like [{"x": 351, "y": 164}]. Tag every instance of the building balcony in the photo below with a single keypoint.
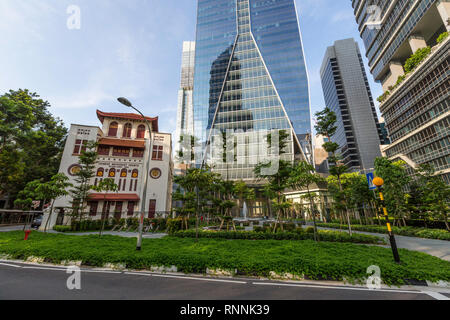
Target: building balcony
[{"x": 438, "y": 51}]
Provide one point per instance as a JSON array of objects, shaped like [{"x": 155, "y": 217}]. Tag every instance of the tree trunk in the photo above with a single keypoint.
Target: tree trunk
[
  {"x": 346, "y": 208},
  {"x": 196, "y": 214},
  {"x": 311, "y": 201},
  {"x": 49, "y": 216}
]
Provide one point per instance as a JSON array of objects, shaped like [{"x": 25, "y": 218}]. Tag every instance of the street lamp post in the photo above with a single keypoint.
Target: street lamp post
[
  {"x": 127, "y": 103},
  {"x": 379, "y": 182}
]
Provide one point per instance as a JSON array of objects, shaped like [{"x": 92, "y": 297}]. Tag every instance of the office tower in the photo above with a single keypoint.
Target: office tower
[
  {"x": 185, "y": 116},
  {"x": 347, "y": 93},
  {"x": 416, "y": 102},
  {"x": 250, "y": 76}
]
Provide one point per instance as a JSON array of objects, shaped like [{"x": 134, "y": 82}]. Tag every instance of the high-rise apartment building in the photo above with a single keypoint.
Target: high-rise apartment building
[
  {"x": 347, "y": 93},
  {"x": 250, "y": 76},
  {"x": 416, "y": 104},
  {"x": 185, "y": 114}
]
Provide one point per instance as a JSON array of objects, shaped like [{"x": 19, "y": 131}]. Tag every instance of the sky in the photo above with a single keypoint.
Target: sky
[{"x": 130, "y": 48}]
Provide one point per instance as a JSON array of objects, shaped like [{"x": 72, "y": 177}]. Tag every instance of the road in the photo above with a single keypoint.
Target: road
[{"x": 41, "y": 282}]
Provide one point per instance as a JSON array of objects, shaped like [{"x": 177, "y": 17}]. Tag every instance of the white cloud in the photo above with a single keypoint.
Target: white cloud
[{"x": 340, "y": 16}]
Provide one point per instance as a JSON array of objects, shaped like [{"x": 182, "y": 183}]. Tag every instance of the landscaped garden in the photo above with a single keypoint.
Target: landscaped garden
[{"x": 305, "y": 259}]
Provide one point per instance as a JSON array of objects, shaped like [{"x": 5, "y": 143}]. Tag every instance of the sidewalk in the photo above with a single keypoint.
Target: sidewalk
[
  {"x": 112, "y": 233},
  {"x": 437, "y": 248}
]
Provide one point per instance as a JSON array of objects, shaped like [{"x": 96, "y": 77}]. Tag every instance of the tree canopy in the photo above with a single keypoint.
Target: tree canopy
[{"x": 31, "y": 141}]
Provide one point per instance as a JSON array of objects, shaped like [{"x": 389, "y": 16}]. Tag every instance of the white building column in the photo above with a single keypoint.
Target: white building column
[
  {"x": 396, "y": 69},
  {"x": 416, "y": 42},
  {"x": 443, "y": 7}
]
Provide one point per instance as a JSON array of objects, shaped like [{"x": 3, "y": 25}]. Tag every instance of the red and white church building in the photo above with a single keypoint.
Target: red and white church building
[{"x": 122, "y": 156}]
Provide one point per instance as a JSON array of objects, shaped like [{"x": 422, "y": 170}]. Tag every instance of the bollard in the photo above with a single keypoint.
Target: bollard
[{"x": 27, "y": 234}]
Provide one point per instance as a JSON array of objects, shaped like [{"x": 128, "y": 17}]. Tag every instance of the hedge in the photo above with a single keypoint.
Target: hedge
[
  {"x": 62, "y": 228},
  {"x": 403, "y": 231},
  {"x": 323, "y": 260},
  {"x": 442, "y": 37},
  {"x": 325, "y": 235}
]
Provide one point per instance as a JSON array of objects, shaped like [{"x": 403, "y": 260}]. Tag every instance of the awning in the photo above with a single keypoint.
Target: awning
[
  {"x": 113, "y": 197},
  {"x": 122, "y": 143}
]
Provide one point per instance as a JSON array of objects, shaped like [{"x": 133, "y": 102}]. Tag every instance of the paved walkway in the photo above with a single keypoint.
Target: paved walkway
[
  {"x": 115, "y": 233},
  {"x": 112, "y": 233},
  {"x": 437, "y": 248}
]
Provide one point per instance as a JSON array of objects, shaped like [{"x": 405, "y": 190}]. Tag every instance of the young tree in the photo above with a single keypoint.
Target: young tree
[
  {"x": 396, "y": 180},
  {"x": 86, "y": 172},
  {"x": 326, "y": 126},
  {"x": 304, "y": 176},
  {"x": 106, "y": 185},
  {"x": 196, "y": 183},
  {"x": 434, "y": 193},
  {"x": 188, "y": 201},
  {"x": 243, "y": 193},
  {"x": 51, "y": 190},
  {"x": 277, "y": 182}
]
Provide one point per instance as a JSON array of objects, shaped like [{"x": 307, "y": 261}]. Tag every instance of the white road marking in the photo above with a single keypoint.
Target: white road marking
[
  {"x": 200, "y": 279},
  {"x": 44, "y": 268},
  {"x": 100, "y": 271},
  {"x": 10, "y": 265},
  {"x": 436, "y": 295},
  {"x": 333, "y": 287},
  {"x": 139, "y": 274}
]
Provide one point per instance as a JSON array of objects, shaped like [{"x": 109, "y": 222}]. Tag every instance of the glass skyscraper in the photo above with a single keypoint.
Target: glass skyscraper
[
  {"x": 185, "y": 117},
  {"x": 250, "y": 76}
]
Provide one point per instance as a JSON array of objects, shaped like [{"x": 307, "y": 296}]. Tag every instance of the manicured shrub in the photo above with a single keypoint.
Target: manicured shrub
[
  {"x": 403, "y": 231},
  {"x": 259, "y": 229},
  {"x": 62, "y": 228},
  {"x": 289, "y": 226},
  {"x": 174, "y": 225},
  {"x": 416, "y": 59},
  {"x": 442, "y": 37},
  {"x": 310, "y": 230},
  {"x": 299, "y": 229},
  {"x": 325, "y": 235}
]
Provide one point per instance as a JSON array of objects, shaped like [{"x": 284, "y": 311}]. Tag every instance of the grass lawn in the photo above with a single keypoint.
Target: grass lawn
[{"x": 325, "y": 260}]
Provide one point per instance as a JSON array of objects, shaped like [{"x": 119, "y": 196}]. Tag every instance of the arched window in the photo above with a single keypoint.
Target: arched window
[
  {"x": 113, "y": 127},
  {"x": 135, "y": 173},
  {"x": 100, "y": 172},
  {"x": 141, "y": 132},
  {"x": 112, "y": 173},
  {"x": 127, "y": 130},
  {"x": 123, "y": 173}
]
